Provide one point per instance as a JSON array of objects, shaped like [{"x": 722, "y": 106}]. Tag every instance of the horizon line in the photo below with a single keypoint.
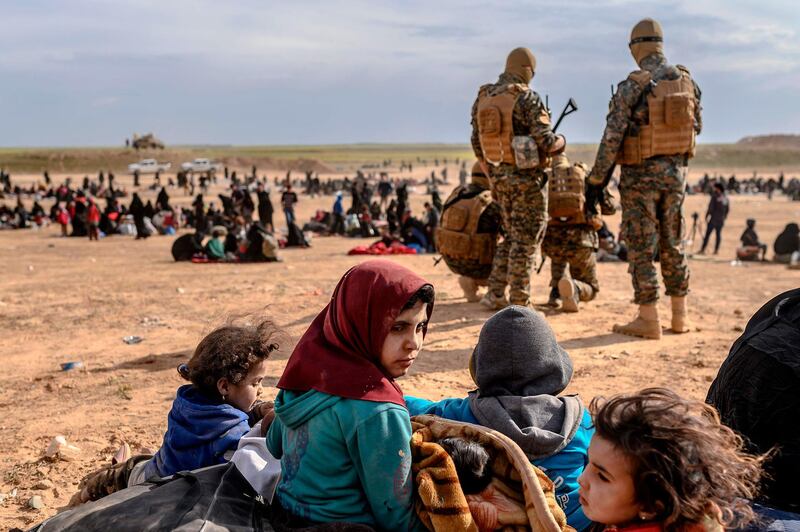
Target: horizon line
[{"x": 345, "y": 145}]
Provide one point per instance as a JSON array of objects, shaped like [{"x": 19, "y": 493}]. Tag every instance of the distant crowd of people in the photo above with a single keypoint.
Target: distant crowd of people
[
  {"x": 752, "y": 185},
  {"x": 379, "y": 206}
]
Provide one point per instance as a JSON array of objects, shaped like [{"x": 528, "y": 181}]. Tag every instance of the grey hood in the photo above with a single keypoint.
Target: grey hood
[{"x": 520, "y": 369}]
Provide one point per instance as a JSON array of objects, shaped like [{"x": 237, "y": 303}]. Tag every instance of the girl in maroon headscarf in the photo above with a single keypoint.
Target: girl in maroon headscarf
[{"x": 341, "y": 428}]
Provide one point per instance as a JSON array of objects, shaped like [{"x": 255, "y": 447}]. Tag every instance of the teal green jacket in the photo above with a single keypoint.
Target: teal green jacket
[
  {"x": 344, "y": 460},
  {"x": 215, "y": 249}
]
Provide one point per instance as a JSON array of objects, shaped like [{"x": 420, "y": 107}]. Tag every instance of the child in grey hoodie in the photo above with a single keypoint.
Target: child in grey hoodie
[{"x": 520, "y": 369}]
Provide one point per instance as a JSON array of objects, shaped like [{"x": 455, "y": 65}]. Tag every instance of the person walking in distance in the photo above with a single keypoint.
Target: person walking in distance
[{"x": 716, "y": 214}]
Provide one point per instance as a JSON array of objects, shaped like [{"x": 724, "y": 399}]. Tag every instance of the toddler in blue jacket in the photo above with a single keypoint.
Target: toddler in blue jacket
[
  {"x": 520, "y": 369},
  {"x": 209, "y": 416}
]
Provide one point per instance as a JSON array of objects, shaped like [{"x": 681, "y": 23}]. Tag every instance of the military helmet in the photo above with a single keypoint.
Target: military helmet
[
  {"x": 479, "y": 178},
  {"x": 647, "y": 38},
  {"x": 521, "y": 62}
]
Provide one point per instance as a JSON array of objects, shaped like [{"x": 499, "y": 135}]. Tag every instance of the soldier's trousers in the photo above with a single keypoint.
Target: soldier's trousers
[
  {"x": 652, "y": 218},
  {"x": 582, "y": 269},
  {"x": 573, "y": 246},
  {"x": 473, "y": 269},
  {"x": 523, "y": 207}
]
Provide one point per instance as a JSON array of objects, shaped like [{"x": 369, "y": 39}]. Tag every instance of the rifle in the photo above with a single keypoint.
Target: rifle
[
  {"x": 541, "y": 265},
  {"x": 569, "y": 108},
  {"x": 594, "y": 193}
]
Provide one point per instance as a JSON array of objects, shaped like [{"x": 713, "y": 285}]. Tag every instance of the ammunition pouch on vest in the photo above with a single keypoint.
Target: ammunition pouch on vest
[
  {"x": 670, "y": 128},
  {"x": 457, "y": 236},
  {"x": 495, "y": 122},
  {"x": 566, "y": 192}
]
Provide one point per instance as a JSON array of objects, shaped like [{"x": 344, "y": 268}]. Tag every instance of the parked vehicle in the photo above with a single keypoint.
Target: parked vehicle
[
  {"x": 201, "y": 166},
  {"x": 146, "y": 142},
  {"x": 148, "y": 166}
]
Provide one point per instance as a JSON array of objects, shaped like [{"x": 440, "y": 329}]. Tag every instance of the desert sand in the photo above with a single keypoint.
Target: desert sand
[{"x": 66, "y": 299}]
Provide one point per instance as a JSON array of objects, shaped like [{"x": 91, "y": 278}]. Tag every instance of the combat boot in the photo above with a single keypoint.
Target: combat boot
[
  {"x": 645, "y": 325},
  {"x": 680, "y": 319},
  {"x": 555, "y": 299},
  {"x": 469, "y": 287},
  {"x": 570, "y": 294},
  {"x": 494, "y": 302}
]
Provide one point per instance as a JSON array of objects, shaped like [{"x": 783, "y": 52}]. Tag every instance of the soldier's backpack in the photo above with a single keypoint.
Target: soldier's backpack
[
  {"x": 670, "y": 127},
  {"x": 457, "y": 237},
  {"x": 495, "y": 125},
  {"x": 566, "y": 192}
]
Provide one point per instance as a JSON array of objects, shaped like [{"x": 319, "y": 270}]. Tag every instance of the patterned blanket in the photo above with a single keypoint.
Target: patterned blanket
[{"x": 520, "y": 497}]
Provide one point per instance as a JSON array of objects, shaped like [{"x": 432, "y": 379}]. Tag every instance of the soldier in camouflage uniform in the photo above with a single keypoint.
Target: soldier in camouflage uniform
[
  {"x": 571, "y": 238},
  {"x": 572, "y": 245},
  {"x": 520, "y": 191},
  {"x": 652, "y": 186}
]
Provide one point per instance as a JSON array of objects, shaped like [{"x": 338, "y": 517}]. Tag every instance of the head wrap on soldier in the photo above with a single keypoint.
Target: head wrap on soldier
[
  {"x": 521, "y": 62},
  {"x": 647, "y": 38},
  {"x": 479, "y": 178}
]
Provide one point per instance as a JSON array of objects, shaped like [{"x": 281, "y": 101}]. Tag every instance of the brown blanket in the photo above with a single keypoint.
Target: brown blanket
[{"x": 525, "y": 497}]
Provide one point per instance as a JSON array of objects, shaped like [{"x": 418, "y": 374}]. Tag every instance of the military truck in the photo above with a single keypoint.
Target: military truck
[{"x": 146, "y": 142}]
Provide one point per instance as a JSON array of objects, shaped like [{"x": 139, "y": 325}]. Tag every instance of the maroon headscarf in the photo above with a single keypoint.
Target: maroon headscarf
[{"x": 340, "y": 352}]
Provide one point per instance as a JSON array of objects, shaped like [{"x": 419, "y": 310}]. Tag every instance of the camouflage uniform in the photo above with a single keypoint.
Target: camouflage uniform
[
  {"x": 521, "y": 194},
  {"x": 573, "y": 245},
  {"x": 652, "y": 192},
  {"x": 470, "y": 268}
]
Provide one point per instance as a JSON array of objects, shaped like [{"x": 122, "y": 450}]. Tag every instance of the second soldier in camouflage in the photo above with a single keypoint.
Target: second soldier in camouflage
[{"x": 650, "y": 131}]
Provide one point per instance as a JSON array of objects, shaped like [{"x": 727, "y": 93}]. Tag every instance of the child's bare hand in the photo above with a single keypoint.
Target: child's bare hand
[
  {"x": 261, "y": 408},
  {"x": 266, "y": 421}
]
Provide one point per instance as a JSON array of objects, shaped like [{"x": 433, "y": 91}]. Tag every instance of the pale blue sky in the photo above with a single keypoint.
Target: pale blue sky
[{"x": 90, "y": 72}]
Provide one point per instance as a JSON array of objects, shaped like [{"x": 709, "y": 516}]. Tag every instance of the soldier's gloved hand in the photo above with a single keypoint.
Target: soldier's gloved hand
[
  {"x": 608, "y": 206},
  {"x": 591, "y": 176},
  {"x": 594, "y": 194},
  {"x": 559, "y": 145}
]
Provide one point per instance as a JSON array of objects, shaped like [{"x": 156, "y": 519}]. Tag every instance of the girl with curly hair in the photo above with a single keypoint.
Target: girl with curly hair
[
  {"x": 658, "y": 462},
  {"x": 209, "y": 416},
  {"x": 341, "y": 426}
]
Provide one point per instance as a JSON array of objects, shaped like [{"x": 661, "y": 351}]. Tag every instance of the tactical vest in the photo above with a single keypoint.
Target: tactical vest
[
  {"x": 457, "y": 236},
  {"x": 670, "y": 128},
  {"x": 495, "y": 121},
  {"x": 566, "y": 192}
]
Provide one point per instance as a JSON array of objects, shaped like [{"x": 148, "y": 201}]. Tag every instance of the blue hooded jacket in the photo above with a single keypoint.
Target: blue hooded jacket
[
  {"x": 337, "y": 205},
  {"x": 521, "y": 371},
  {"x": 199, "y": 432}
]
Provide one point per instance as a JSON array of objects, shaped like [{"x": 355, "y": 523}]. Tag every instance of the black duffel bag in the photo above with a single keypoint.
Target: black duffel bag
[{"x": 211, "y": 499}]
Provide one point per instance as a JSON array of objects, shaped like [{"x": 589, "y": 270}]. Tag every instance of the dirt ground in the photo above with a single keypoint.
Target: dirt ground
[{"x": 66, "y": 299}]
